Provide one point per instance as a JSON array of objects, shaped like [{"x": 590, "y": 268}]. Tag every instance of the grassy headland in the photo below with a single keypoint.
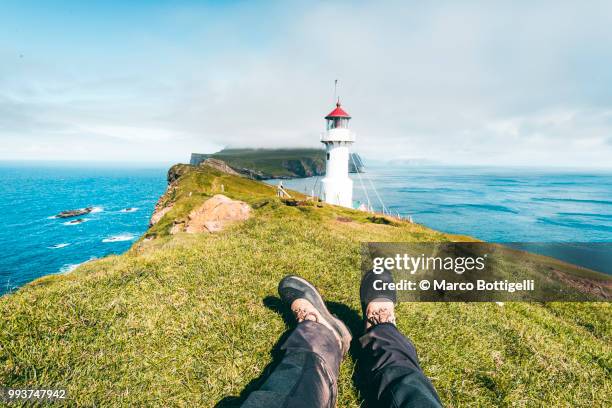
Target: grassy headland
[
  {"x": 261, "y": 164},
  {"x": 193, "y": 319}
]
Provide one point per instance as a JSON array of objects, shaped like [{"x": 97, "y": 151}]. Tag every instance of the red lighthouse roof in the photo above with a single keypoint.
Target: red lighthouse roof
[{"x": 338, "y": 113}]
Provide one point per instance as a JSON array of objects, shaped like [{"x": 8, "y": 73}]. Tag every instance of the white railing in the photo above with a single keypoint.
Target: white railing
[{"x": 338, "y": 135}]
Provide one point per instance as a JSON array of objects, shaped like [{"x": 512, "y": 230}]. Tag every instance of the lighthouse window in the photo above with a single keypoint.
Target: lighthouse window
[
  {"x": 327, "y": 156},
  {"x": 340, "y": 123},
  {"x": 337, "y": 123}
]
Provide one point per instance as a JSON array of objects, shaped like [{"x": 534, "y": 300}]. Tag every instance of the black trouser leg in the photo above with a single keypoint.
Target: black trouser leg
[
  {"x": 390, "y": 364},
  {"x": 307, "y": 374}
]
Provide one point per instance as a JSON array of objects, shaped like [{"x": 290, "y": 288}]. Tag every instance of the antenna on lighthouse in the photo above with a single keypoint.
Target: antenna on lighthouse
[{"x": 335, "y": 90}]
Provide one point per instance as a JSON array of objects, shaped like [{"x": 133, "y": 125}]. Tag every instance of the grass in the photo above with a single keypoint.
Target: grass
[{"x": 192, "y": 320}]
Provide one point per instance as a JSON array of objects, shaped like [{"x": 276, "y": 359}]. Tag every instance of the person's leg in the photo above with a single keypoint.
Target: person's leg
[
  {"x": 308, "y": 371},
  {"x": 390, "y": 362},
  {"x": 388, "y": 359},
  {"x": 306, "y": 375}
]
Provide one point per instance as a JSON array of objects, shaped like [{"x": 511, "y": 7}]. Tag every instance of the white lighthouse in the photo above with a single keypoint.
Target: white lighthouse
[{"x": 337, "y": 186}]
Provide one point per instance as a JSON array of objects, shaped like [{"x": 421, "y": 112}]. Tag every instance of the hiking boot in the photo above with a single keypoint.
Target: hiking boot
[
  {"x": 307, "y": 304},
  {"x": 377, "y": 306}
]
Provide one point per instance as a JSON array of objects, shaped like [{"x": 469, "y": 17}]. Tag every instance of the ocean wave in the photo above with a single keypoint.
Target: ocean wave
[
  {"x": 57, "y": 246},
  {"x": 557, "y": 183},
  {"x": 507, "y": 181},
  {"x": 571, "y": 200},
  {"x": 572, "y": 223},
  {"x": 489, "y": 207},
  {"x": 119, "y": 238},
  {"x": 586, "y": 215},
  {"x": 67, "y": 268},
  {"x": 437, "y": 190},
  {"x": 129, "y": 210},
  {"x": 76, "y": 222}
]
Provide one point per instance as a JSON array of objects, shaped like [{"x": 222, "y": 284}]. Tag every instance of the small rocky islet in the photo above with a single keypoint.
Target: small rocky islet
[
  {"x": 74, "y": 213},
  {"x": 77, "y": 221}
]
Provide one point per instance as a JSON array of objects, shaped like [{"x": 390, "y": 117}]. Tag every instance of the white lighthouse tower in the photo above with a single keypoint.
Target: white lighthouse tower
[{"x": 337, "y": 186}]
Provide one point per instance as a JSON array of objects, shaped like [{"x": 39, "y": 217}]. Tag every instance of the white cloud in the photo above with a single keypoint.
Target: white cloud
[{"x": 510, "y": 83}]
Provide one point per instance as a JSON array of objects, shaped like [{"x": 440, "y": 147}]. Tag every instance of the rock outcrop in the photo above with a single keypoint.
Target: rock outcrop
[
  {"x": 177, "y": 171},
  {"x": 214, "y": 215},
  {"x": 159, "y": 213},
  {"x": 77, "y": 221},
  {"x": 211, "y": 216},
  {"x": 219, "y": 165},
  {"x": 74, "y": 213},
  {"x": 165, "y": 203},
  {"x": 198, "y": 158},
  {"x": 305, "y": 167}
]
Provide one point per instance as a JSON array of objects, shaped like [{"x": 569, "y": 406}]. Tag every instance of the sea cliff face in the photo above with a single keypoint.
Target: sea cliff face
[{"x": 262, "y": 164}]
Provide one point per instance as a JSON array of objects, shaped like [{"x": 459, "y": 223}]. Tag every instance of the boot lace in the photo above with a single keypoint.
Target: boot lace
[
  {"x": 381, "y": 315},
  {"x": 303, "y": 314}
]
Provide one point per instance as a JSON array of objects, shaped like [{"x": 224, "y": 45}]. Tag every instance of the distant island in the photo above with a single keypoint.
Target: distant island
[{"x": 262, "y": 164}]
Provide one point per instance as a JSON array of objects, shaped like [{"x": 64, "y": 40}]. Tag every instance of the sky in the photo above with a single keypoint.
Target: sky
[{"x": 486, "y": 83}]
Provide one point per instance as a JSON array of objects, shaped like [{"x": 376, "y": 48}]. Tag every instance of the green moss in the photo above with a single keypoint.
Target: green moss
[{"x": 188, "y": 320}]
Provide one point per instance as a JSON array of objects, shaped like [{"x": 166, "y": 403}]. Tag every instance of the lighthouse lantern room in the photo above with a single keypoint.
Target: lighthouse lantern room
[{"x": 337, "y": 186}]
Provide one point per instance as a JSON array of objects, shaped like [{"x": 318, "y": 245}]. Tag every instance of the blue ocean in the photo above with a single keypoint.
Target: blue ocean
[
  {"x": 35, "y": 243},
  {"x": 492, "y": 204},
  {"x": 559, "y": 213}
]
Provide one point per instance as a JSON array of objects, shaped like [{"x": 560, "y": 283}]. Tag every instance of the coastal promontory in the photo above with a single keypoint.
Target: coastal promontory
[{"x": 192, "y": 318}]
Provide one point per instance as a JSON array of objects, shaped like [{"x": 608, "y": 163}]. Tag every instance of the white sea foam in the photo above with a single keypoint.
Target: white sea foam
[
  {"x": 67, "y": 268},
  {"x": 129, "y": 210},
  {"x": 52, "y": 217},
  {"x": 96, "y": 210},
  {"x": 57, "y": 246},
  {"x": 119, "y": 238},
  {"x": 76, "y": 222}
]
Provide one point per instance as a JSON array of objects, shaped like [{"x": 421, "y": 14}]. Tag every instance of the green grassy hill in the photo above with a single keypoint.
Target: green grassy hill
[
  {"x": 272, "y": 163},
  {"x": 193, "y": 319}
]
